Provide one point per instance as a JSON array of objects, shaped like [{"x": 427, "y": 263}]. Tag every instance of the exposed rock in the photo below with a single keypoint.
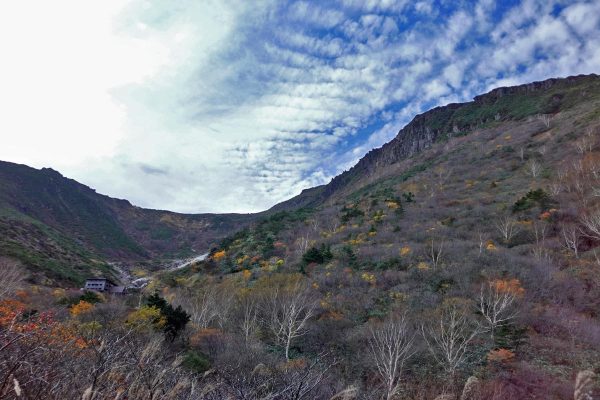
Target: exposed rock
[
  {"x": 471, "y": 389},
  {"x": 584, "y": 384}
]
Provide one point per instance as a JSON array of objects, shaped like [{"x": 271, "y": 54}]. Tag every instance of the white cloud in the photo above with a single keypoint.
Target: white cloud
[{"x": 228, "y": 106}]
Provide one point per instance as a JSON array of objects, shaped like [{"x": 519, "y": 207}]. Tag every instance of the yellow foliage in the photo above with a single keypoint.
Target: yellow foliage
[
  {"x": 59, "y": 293},
  {"x": 315, "y": 285},
  {"x": 392, "y": 204},
  {"x": 398, "y": 296},
  {"x": 280, "y": 262},
  {"x": 405, "y": 250},
  {"x": 89, "y": 328},
  {"x": 507, "y": 137},
  {"x": 219, "y": 255},
  {"x": 81, "y": 308},
  {"x": 489, "y": 245},
  {"x": 368, "y": 277},
  {"x": 373, "y": 233},
  {"x": 423, "y": 266},
  {"x": 146, "y": 318}
]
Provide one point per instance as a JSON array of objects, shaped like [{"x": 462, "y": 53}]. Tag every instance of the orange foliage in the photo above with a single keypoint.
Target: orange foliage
[
  {"x": 9, "y": 311},
  {"x": 219, "y": 255},
  {"x": 247, "y": 274},
  {"x": 511, "y": 286},
  {"x": 205, "y": 335},
  {"x": 332, "y": 316},
  {"x": 298, "y": 363},
  {"x": 500, "y": 355},
  {"x": 81, "y": 308},
  {"x": 37, "y": 327}
]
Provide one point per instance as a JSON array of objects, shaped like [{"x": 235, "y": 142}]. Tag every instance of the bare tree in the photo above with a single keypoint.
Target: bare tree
[
  {"x": 302, "y": 243},
  {"x": 435, "y": 253},
  {"x": 301, "y": 383},
  {"x": 591, "y": 224},
  {"x": 534, "y": 168},
  {"x": 570, "y": 239},
  {"x": 481, "y": 241},
  {"x": 289, "y": 309},
  {"x": 522, "y": 154},
  {"x": 207, "y": 308},
  {"x": 448, "y": 338},
  {"x": 585, "y": 144},
  {"x": 545, "y": 118},
  {"x": 441, "y": 177},
  {"x": 507, "y": 227},
  {"x": 249, "y": 321},
  {"x": 539, "y": 251},
  {"x": 555, "y": 188},
  {"x": 12, "y": 277},
  {"x": 496, "y": 305},
  {"x": 391, "y": 346}
]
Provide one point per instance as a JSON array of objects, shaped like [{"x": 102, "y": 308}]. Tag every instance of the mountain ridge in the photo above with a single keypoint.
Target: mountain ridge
[
  {"x": 425, "y": 128},
  {"x": 82, "y": 226}
]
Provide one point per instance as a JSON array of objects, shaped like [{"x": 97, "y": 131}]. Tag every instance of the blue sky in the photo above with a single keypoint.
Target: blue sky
[{"x": 233, "y": 106}]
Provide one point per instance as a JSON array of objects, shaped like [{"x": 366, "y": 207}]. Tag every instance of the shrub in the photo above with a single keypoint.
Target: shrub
[
  {"x": 175, "y": 318},
  {"x": 318, "y": 255},
  {"x": 534, "y": 197},
  {"x": 196, "y": 361}
]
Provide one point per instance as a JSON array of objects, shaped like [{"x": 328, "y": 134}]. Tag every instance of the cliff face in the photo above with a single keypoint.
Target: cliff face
[{"x": 501, "y": 104}]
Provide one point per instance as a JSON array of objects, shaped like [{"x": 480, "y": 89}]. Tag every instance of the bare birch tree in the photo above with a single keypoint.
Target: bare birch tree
[
  {"x": 496, "y": 305},
  {"x": 546, "y": 119},
  {"x": 534, "y": 168},
  {"x": 507, "y": 227},
  {"x": 207, "y": 308},
  {"x": 249, "y": 320},
  {"x": 289, "y": 309},
  {"x": 449, "y": 336},
  {"x": 435, "y": 253},
  {"x": 591, "y": 224},
  {"x": 570, "y": 239},
  {"x": 391, "y": 346},
  {"x": 539, "y": 250}
]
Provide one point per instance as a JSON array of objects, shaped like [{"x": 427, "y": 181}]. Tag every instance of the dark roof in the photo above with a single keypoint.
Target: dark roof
[{"x": 101, "y": 279}]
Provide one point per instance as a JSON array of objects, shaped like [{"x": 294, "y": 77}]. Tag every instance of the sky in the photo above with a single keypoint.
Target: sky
[{"x": 233, "y": 106}]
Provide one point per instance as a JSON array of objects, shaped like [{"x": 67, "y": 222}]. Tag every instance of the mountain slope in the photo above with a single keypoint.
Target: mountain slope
[
  {"x": 59, "y": 225},
  {"x": 501, "y": 105},
  {"x": 451, "y": 230},
  {"x": 452, "y": 169}
]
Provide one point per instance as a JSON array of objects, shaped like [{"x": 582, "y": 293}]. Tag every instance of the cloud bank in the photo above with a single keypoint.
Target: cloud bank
[{"x": 223, "y": 106}]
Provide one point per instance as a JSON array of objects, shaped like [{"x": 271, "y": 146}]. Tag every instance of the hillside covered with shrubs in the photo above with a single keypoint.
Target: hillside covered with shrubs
[{"x": 468, "y": 269}]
